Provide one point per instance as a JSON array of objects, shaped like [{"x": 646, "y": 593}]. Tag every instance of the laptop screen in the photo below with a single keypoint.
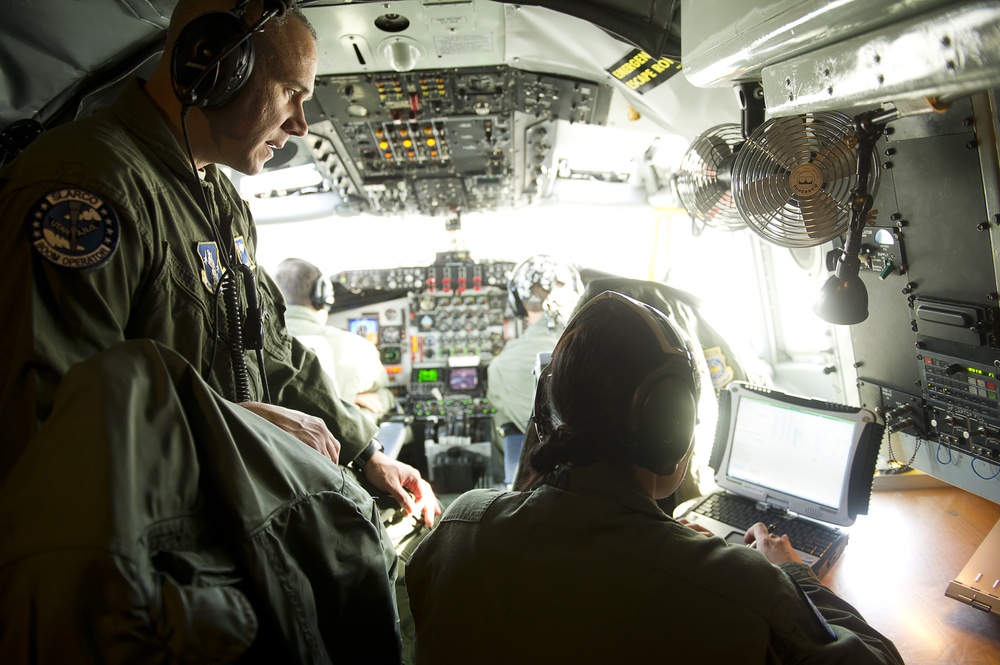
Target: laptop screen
[
  {"x": 791, "y": 449},
  {"x": 807, "y": 456}
]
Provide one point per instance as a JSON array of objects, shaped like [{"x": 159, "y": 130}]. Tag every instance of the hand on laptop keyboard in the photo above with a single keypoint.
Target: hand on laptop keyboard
[{"x": 777, "y": 549}]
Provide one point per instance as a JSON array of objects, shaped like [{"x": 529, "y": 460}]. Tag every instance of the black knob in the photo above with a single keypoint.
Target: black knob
[{"x": 954, "y": 368}]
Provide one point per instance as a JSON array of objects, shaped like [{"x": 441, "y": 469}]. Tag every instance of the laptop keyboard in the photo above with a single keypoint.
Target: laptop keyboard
[{"x": 741, "y": 513}]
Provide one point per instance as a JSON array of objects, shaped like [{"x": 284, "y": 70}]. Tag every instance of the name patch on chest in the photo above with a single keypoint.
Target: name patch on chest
[{"x": 73, "y": 228}]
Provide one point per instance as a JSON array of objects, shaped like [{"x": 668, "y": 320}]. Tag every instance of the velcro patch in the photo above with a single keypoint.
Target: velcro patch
[{"x": 73, "y": 228}]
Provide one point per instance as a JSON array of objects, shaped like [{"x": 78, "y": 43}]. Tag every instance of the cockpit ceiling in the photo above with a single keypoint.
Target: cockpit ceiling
[
  {"x": 421, "y": 106},
  {"x": 52, "y": 50},
  {"x": 442, "y": 107}
]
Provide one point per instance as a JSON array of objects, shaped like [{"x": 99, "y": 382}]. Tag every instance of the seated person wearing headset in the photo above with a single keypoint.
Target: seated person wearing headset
[
  {"x": 351, "y": 360},
  {"x": 584, "y": 567},
  {"x": 543, "y": 291}
]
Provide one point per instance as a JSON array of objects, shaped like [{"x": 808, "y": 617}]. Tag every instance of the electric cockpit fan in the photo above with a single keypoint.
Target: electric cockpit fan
[
  {"x": 703, "y": 179},
  {"x": 793, "y": 177}
]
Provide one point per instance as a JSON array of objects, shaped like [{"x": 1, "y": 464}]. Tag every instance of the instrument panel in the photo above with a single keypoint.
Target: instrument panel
[
  {"x": 452, "y": 313},
  {"x": 440, "y": 142},
  {"x": 437, "y": 328}
]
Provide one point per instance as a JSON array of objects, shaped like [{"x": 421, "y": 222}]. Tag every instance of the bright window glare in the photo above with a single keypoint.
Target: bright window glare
[
  {"x": 280, "y": 180},
  {"x": 798, "y": 276},
  {"x": 638, "y": 242},
  {"x": 726, "y": 271}
]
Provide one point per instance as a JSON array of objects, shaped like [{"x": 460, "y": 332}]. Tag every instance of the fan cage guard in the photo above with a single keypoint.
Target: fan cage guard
[
  {"x": 701, "y": 191},
  {"x": 792, "y": 180}
]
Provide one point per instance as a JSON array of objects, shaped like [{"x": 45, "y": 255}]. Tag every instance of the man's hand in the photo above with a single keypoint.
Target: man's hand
[
  {"x": 310, "y": 430},
  {"x": 401, "y": 480},
  {"x": 369, "y": 401},
  {"x": 777, "y": 549}
]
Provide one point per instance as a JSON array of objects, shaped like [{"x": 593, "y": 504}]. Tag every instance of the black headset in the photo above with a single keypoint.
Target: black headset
[
  {"x": 213, "y": 56},
  {"x": 322, "y": 293},
  {"x": 513, "y": 298},
  {"x": 664, "y": 406}
]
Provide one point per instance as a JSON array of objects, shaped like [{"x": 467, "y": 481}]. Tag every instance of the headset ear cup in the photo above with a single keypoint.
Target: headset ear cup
[
  {"x": 513, "y": 298},
  {"x": 201, "y": 45},
  {"x": 322, "y": 295},
  {"x": 661, "y": 424},
  {"x": 516, "y": 305}
]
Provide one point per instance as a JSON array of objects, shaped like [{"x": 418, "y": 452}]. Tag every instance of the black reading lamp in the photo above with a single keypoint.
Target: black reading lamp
[{"x": 843, "y": 299}]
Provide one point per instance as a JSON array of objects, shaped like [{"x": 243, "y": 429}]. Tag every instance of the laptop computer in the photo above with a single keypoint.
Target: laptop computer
[{"x": 802, "y": 466}]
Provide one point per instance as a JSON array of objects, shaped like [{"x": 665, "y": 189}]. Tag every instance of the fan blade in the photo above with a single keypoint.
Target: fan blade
[
  {"x": 837, "y": 160},
  {"x": 794, "y": 139},
  {"x": 757, "y": 156},
  {"x": 711, "y": 150},
  {"x": 765, "y": 196},
  {"x": 821, "y": 216},
  {"x": 688, "y": 186},
  {"x": 722, "y": 209},
  {"x": 706, "y": 196}
]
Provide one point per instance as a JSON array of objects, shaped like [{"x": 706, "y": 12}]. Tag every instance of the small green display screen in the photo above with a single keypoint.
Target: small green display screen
[{"x": 428, "y": 375}]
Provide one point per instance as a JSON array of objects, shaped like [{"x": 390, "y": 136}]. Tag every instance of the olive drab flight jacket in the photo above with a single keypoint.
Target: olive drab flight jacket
[{"x": 139, "y": 261}]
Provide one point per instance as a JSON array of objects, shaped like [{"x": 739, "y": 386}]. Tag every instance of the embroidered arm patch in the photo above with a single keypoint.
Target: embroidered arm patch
[{"x": 73, "y": 228}]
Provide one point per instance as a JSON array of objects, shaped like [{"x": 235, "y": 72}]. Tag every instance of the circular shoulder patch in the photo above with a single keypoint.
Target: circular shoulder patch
[{"x": 73, "y": 228}]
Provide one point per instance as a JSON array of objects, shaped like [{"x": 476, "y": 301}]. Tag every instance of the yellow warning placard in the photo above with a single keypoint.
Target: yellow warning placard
[{"x": 642, "y": 72}]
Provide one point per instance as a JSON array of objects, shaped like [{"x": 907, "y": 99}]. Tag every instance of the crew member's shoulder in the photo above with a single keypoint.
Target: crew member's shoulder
[
  {"x": 714, "y": 563},
  {"x": 84, "y": 153},
  {"x": 95, "y": 137},
  {"x": 352, "y": 340},
  {"x": 473, "y": 505}
]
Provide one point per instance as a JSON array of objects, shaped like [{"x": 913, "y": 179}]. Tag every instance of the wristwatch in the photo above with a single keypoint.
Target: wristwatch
[{"x": 373, "y": 447}]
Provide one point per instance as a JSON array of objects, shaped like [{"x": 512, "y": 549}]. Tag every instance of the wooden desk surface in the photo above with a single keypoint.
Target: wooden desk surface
[{"x": 898, "y": 563}]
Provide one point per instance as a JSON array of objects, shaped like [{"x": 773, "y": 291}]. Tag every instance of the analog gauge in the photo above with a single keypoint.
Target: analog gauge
[
  {"x": 426, "y": 303},
  {"x": 885, "y": 237}
]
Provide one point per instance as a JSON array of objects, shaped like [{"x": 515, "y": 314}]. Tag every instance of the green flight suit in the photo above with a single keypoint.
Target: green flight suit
[
  {"x": 104, "y": 238},
  {"x": 124, "y": 166},
  {"x": 589, "y": 570},
  {"x": 511, "y": 384},
  {"x": 152, "y": 521}
]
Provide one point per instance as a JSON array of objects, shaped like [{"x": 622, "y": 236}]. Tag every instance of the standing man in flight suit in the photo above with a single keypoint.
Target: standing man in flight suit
[{"x": 121, "y": 227}]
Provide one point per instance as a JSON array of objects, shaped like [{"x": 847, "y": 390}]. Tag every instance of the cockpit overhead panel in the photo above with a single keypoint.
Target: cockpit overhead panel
[{"x": 438, "y": 141}]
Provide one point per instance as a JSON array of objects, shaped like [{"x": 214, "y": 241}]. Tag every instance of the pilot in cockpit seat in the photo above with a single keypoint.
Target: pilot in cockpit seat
[
  {"x": 542, "y": 290},
  {"x": 351, "y": 360}
]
